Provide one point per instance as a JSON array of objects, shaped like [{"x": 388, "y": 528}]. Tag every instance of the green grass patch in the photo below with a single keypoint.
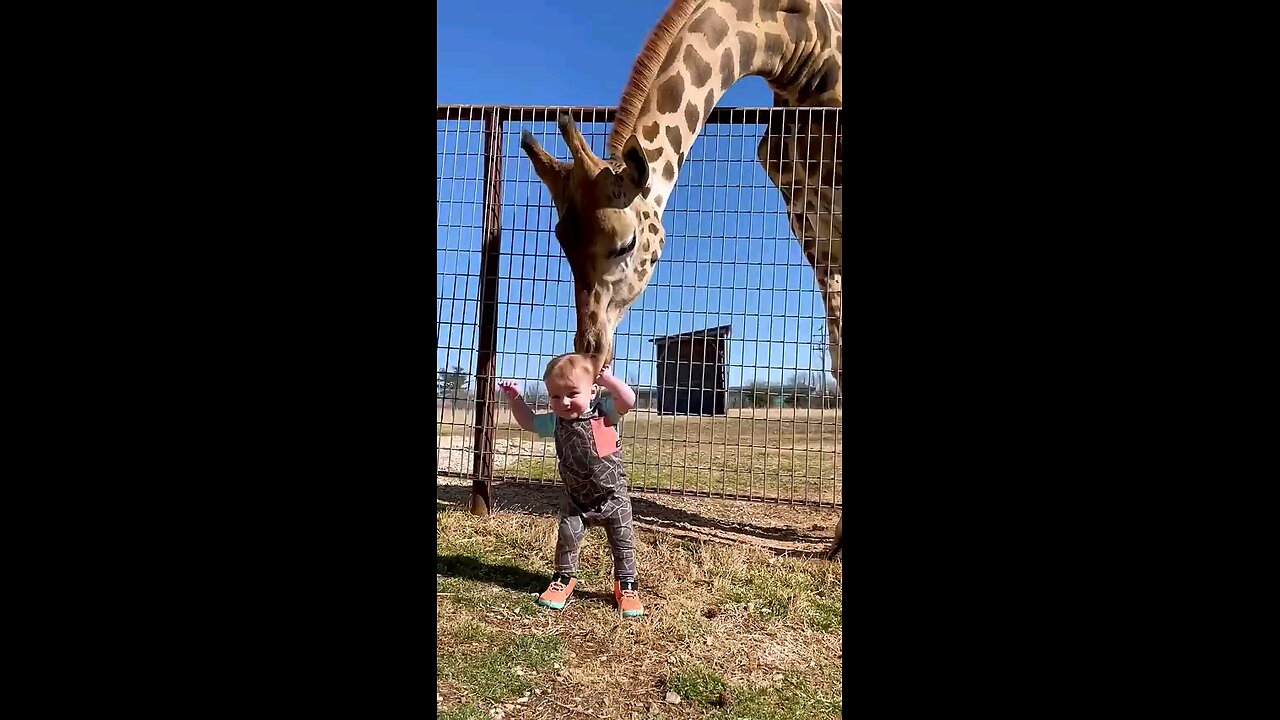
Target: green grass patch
[
  {"x": 678, "y": 464},
  {"x": 825, "y": 614},
  {"x": 470, "y": 631},
  {"x": 697, "y": 684},
  {"x": 791, "y": 699},
  {"x": 487, "y": 673},
  {"x": 533, "y": 468},
  {"x": 788, "y": 591},
  {"x": 474, "y": 595},
  {"x": 463, "y": 712}
]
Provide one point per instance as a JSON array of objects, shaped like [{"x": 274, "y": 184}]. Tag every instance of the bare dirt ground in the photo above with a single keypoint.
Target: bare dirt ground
[{"x": 803, "y": 531}]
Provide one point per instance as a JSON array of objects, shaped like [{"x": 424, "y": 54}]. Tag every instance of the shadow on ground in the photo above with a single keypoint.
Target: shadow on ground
[
  {"x": 652, "y": 515},
  {"x": 511, "y": 577},
  {"x": 465, "y": 567}
]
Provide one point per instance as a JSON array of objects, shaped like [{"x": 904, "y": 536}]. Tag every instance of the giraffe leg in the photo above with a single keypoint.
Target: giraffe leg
[
  {"x": 829, "y": 283},
  {"x": 809, "y": 188}
]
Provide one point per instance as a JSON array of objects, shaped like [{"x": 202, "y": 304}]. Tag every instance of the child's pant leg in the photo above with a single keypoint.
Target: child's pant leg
[
  {"x": 568, "y": 538},
  {"x": 622, "y": 542}
]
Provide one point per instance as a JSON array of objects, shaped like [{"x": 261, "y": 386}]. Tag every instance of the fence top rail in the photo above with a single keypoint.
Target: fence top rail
[{"x": 592, "y": 114}]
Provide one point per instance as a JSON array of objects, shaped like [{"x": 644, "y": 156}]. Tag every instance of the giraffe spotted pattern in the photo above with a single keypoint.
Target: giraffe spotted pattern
[{"x": 697, "y": 50}]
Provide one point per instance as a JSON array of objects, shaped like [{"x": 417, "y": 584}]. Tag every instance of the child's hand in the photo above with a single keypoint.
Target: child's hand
[
  {"x": 510, "y": 389},
  {"x": 605, "y": 372}
]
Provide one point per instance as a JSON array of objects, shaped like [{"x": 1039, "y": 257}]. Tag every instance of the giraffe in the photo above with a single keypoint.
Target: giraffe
[{"x": 610, "y": 209}]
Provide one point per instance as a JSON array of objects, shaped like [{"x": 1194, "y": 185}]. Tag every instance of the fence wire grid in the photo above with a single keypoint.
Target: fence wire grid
[{"x": 726, "y": 348}]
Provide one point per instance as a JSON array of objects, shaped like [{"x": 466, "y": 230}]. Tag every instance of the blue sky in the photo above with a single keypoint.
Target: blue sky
[{"x": 730, "y": 258}]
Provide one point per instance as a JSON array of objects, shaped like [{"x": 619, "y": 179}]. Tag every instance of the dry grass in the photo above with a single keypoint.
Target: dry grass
[
  {"x": 735, "y": 630},
  {"x": 766, "y": 453}
]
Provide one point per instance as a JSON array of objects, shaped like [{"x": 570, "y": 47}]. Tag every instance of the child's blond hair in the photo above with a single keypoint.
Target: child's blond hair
[{"x": 564, "y": 366}]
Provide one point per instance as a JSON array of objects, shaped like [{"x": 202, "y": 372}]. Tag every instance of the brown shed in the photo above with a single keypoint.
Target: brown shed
[{"x": 692, "y": 370}]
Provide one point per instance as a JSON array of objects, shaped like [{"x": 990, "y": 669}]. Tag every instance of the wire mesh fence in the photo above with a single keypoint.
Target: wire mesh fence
[{"x": 726, "y": 349}]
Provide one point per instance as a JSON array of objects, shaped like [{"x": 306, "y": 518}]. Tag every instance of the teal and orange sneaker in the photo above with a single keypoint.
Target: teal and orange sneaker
[
  {"x": 558, "y": 592},
  {"x": 624, "y": 592}
]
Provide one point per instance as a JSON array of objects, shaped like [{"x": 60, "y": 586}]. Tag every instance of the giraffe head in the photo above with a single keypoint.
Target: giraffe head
[{"x": 610, "y": 231}]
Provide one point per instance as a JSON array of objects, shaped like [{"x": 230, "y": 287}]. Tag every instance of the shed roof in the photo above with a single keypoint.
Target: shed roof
[{"x": 717, "y": 333}]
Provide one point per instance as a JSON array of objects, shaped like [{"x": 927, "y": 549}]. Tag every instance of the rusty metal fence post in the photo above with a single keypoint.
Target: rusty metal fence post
[{"x": 486, "y": 356}]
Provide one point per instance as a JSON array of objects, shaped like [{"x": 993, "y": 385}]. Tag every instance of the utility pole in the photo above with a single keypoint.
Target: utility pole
[{"x": 820, "y": 347}]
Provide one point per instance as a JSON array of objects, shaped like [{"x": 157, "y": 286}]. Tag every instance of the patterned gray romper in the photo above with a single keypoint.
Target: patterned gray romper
[{"x": 595, "y": 490}]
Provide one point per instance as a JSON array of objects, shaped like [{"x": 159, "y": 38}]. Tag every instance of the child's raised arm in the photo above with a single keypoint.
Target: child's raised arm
[
  {"x": 624, "y": 398},
  {"x": 519, "y": 408},
  {"x": 543, "y": 424}
]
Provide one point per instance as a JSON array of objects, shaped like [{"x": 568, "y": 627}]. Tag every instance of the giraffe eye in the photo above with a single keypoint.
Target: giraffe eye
[{"x": 625, "y": 248}]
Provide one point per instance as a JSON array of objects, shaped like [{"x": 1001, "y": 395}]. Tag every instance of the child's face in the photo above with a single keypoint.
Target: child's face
[{"x": 570, "y": 395}]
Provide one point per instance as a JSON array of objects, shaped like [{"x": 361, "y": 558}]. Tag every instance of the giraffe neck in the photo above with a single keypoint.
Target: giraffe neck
[{"x": 790, "y": 43}]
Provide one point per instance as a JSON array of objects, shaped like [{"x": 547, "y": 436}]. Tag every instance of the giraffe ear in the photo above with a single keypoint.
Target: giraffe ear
[{"x": 636, "y": 163}]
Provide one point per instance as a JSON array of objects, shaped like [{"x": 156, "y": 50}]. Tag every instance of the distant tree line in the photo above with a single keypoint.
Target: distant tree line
[
  {"x": 800, "y": 390},
  {"x": 454, "y": 385}
]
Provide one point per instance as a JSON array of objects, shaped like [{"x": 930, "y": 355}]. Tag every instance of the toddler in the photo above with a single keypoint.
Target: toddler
[{"x": 589, "y": 452}]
